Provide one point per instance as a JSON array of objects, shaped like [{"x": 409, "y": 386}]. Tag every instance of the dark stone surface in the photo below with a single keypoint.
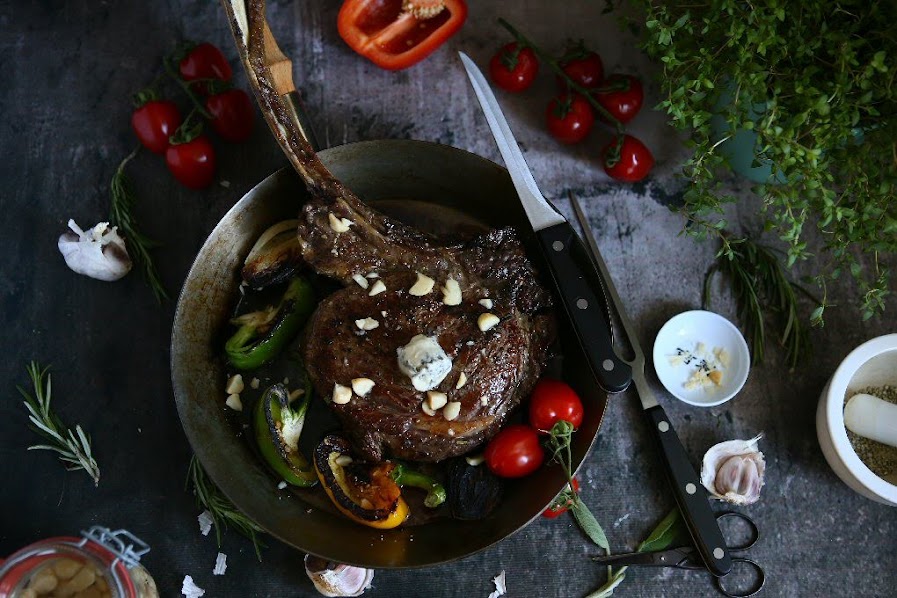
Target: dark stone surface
[{"x": 68, "y": 71}]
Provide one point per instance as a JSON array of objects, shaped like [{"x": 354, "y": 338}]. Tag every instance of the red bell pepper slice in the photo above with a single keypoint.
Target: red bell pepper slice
[{"x": 394, "y": 39}]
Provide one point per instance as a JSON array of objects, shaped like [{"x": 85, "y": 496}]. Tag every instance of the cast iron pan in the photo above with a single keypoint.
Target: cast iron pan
[{"x": 418, "y": 173}]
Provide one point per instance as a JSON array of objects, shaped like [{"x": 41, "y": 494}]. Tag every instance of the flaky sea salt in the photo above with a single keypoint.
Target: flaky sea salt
[
  {"x": 220, "y": 564},
  {"x": 190, "y": 589},
  {"x": 281, "y": 485},
  {"x": 205, "y": 522},
  {"x": 500, "y": 587}
]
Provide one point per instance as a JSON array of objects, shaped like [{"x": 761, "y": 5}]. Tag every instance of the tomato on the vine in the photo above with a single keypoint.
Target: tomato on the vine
[
  {"x": 514, "y": 452},
  {"x": 583, "y": 66},
  {"x": 625, "y": 98},
  {"x": 514, "y": 68},
  {"x": 193, "y": 162},
  {"x": 633, "y": 162},
  {"x": 205, "y": 61},
  {"x": 569, "y": 118},
  {"x": 154, "y": 122},
  {"x": 552, "y": 401},
  {"x": 232, "y": 114},
  {"x": 562, "y": 501}
]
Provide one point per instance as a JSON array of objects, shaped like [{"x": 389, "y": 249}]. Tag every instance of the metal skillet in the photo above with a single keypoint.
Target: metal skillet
[{"x": 376, "y": 170}]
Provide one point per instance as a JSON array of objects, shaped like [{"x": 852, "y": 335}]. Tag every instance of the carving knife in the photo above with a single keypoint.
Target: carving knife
[
  {"x": 690, "y": 494},
  {"x": 567, "y": 259}
]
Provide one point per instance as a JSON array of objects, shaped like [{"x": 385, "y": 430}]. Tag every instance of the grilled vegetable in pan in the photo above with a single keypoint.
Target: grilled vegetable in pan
[{"x": 277, "y": 429}]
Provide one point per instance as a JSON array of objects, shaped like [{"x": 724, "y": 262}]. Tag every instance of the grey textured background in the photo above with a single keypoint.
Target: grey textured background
[{"x": 68, "y": 69}]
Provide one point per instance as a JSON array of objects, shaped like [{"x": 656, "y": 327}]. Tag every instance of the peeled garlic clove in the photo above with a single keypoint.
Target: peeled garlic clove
[
  {"x": 337, "y": 579},
  {"x": 98, "y": 252},
  {"x": 733, "y": 471}
]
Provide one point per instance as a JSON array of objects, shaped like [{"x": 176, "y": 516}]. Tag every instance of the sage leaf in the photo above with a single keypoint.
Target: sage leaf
[
  {"x": 589, "y": 524},
  {"x": 667, "y": 531}
]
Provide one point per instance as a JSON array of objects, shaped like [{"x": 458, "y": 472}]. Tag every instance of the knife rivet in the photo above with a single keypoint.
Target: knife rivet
[
  {"x": 719, "y": 553},
  {"x": 608, "y": 365},
  {"x": 557, "y": 246},
  {"x": 663, "y": 426},
  {"x": 582, "y": 304},
  {"x": 691, "y": 489}
]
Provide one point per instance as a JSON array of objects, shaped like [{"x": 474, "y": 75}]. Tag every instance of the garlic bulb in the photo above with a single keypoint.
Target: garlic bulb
[
  {"x": 337, "y": 579},
  {"x": 97, "y": 252},
  {"x": 733, "y": 471}
]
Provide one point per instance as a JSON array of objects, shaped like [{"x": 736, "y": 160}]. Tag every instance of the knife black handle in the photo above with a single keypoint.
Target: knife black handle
[
  {"x": 567, "y": 261},
  {"x": 690, "y": 495}
]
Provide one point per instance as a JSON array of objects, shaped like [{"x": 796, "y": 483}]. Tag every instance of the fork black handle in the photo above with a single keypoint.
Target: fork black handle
[
  {"x": 690, "y": 495},
  {"x": 568, "y": 262}
]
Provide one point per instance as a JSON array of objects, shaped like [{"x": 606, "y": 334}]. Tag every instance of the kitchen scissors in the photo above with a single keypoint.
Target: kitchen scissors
[{"x": 686, "y": 557}]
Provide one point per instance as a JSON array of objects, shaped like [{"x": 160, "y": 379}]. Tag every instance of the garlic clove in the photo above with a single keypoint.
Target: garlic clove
[
  {"x": 733, "y": 471},
  {"x": 98, "y": 252},
  {"x": 336, "y": 579}
]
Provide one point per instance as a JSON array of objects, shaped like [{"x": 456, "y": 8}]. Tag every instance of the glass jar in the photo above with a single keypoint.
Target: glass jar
[{"x": 100, "y": 564}]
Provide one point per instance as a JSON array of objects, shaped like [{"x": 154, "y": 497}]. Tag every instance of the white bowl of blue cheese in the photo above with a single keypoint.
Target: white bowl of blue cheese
[{"x": 701, "y": 358}]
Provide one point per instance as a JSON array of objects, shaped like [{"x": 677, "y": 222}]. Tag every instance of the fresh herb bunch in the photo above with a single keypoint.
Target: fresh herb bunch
[
  {"x": 73, "y": 447},
  {"x": 222, "y": 510},
  {"x": 824, "y": 75},
  {"x": 761, "y": 287}
]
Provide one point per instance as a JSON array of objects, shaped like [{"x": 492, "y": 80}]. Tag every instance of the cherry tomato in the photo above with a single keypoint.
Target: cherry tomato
[
  {"x": 204, "y": 61},
  {"x": 514, "y": 452},
  {"x": 514, "y": 68},
  {"x": 192, "y": 163},
  {"x": 634, "y": 162},
  {"x": 569, "y": 118},
  {"x": 623, "y": 104},
  {"x": 232, "y": 114},
  {"x": 551, "y": 402},
  {"x": 557, "y": 508},
  {"x": 154, "y": 123},
  {"x": 584, "y": 67}
]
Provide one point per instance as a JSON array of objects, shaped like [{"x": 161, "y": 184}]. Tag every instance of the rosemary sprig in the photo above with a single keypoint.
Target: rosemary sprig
[
  {"x": 123, "y": 200},
  {"x": 559, "y": 446},
  {"x": 222, "y": 510},
  {"x": 73, "y": 446},
  {"x": 760, "y": 287}
]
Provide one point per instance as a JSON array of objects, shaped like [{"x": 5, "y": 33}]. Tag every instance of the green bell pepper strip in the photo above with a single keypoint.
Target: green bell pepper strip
[
  {"x": 277, "y": 430},
  {"x": 295, "y": 307},
  {"x": 404, "y": 476}
]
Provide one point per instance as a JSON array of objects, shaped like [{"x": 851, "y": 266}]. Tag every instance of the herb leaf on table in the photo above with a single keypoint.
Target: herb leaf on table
[
  {"x": 670, "y": 529},
  {"x": 72, "y": 446}
]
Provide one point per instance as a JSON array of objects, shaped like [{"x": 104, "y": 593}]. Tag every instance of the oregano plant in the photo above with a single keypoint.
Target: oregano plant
[{"x": 817, "y": 83}]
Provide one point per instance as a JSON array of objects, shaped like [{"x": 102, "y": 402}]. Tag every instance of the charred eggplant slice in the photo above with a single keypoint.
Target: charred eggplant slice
[
  {"x": 473, "y": 491},
  {"x": 363, "y": 492},
  {"x": 262, "y": 335},
  {"x": 275, "y": 257},
  {"x": 277, "y": 429}
]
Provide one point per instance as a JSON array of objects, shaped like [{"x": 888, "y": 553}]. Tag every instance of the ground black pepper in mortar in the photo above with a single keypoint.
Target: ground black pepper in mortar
[{"x": 879, "y": 457}]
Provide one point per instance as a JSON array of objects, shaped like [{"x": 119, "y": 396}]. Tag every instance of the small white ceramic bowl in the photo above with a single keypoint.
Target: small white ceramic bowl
[
  {"x": 685, "y": 331},
  {"x": 874, "y": 363}
]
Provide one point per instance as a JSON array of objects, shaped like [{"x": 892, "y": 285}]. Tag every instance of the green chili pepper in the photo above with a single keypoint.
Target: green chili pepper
[
  {"x": 246, "y": 353},
  {"x": 404, "y": 476},
  {"x": 277, "y": 430}
]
